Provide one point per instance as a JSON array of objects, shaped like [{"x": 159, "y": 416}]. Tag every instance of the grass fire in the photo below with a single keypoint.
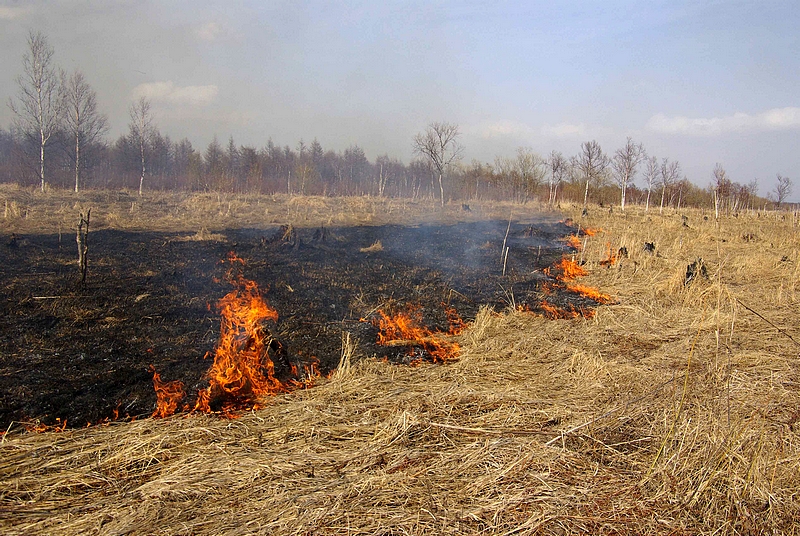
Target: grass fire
[{"x": 553, "y": 392}]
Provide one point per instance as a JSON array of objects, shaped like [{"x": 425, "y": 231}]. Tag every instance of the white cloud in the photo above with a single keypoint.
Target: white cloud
[
  {"x": 169, "y": 93},
  {"x": 11, "y": 13},
  {"x": 209, "y": 31},
  {"x": 774, "y": 119}
]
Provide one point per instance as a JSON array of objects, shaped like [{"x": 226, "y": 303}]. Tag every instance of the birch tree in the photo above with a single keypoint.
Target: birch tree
[
  {"x": 141, "y": 132},
  {"x": 39, "y": 106},
  {"x": 625, "y": 164},
  {"x": 440, "y": 147},
  {"x": 591, "y": 164},
  {"x": 651, "y": 174},
  {"x": 558, "y": 167},
  {"x": 82, "y": 121},
  {"x": 670, "y": 174}
]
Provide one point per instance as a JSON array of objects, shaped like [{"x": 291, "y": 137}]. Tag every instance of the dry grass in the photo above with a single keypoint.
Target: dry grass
[{"x": 674, "y": 411}]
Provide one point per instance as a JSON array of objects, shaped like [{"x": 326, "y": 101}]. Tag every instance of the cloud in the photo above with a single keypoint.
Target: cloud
[
  {"x": 11, "y": 13},
  {"x": 169, "y": 93},
  {"x": 774, "y": 119},
  {"x": 209, "y": 31}
]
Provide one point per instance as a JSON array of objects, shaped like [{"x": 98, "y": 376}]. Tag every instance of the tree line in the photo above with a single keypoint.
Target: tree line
[{"x": 58, "y": 138}]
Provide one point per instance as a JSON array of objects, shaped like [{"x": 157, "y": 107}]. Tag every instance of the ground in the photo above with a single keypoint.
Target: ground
[
  {"x": 80, "y": 353},
  {"x": 670, "y": 408}
]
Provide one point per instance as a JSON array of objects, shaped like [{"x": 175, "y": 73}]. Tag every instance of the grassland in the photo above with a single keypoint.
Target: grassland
[{"x": 675, "y": 410}]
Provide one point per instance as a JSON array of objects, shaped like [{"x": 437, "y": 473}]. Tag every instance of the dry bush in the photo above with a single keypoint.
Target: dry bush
[{"x": 673, "y": 411}]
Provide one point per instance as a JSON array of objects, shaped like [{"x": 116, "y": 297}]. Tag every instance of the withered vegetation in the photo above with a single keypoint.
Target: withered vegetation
[{"x": 674, "y": 409}]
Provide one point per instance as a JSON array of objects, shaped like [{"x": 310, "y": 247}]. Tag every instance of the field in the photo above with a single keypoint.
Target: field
[{"x": 672, "y": 409}]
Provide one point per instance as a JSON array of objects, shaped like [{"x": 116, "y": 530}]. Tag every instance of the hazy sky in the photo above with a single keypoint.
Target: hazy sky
[{"x": 696, "y": 81}]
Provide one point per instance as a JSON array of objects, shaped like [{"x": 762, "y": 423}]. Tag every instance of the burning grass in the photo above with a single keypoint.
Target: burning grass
[
  {"x": 674, "y": 411},
  {"x": 405, "y": 329}
]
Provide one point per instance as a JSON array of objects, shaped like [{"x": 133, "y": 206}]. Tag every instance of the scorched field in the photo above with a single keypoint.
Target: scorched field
[{"x": 291, "y": 365}]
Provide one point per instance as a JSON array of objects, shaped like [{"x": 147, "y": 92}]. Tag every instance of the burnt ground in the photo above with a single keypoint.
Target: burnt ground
[{"x": 81, "y": 352}]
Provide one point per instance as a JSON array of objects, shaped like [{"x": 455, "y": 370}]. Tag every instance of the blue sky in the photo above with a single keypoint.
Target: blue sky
[{"x": 697, "y": 82}]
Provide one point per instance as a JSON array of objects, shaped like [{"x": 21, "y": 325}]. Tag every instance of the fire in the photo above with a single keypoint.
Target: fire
[
  {"x": 406, "y": 329},
  {"x": 243, "y": 370},
  {"x": 588, "y": 231},
  {"x": 590, "y": 292},
  {"x": 168, "y": 394},
  {"x": 574, "y": 242},
  {"x": 565, "y": 270},
  {"x": 611, "y": 258}
]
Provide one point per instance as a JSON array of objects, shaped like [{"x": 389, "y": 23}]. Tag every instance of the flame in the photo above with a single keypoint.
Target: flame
[
  {"x": 565, "y": 270},
  {"x": 406, "y": 329},
  {"x": 243, "y": 370},
  {"x": 611, "y": 258},
  {"x": 588, "y": 231},
  {"x": 574, "y": 242},
  {"x": 168, "y": 394},
  {"x": 590, "y": 292}
]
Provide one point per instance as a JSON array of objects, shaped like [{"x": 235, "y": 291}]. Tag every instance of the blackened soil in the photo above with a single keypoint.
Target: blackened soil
[{"x": 81, "y": 352}]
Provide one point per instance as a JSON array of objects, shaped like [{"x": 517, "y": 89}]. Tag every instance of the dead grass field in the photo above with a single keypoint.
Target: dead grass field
[{"x": 675, "y": 410}]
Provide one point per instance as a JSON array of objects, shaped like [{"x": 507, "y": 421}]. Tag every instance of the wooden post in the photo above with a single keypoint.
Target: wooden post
[{"x": 83, "y": 245}]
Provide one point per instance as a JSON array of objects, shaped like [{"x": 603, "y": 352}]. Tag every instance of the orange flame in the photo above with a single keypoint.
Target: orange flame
[
  {"x": 168, "y": 394},
  {"x": 243, "y": 370},
  {"x": 406, "y": 328},
  {"x": 590, "y": 292},
  {"x": 588, "y": 231},
  {"x": 574, "y": 242},
  {"x": 611, "y": 258},
  {"x": 565, "y": 270}
]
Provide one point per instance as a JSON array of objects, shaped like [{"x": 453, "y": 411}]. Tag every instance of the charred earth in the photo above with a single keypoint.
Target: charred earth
[{"x": 81, "y": 353}]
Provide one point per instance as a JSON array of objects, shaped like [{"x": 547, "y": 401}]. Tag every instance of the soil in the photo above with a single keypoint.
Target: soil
[{"x": 80, "y": 352}]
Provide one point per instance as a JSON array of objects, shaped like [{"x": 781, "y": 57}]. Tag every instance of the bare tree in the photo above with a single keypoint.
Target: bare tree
[
  {"x": 651, "y": 174},
  {"x": 559, "y": 167},
  {"x": 530, "y": 171},
  {"x": 625, "y": 163},
  {"x": 39, "y": 106},
  {"x": 439, "y": 145},
  {"x": 82, "y": 121},
  {"x": 783, "y": 189},
  {"x": 670, "y": 174},
  {"x": 721, "y": 185},
  {"x": 591, "y": 164},
  {"x": 141, "y": 132}
]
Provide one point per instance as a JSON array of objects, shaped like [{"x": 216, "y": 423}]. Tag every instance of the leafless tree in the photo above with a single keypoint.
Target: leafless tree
[
  {"x": 783, "y": 189},
  {"x": 591, "y": 164},
  {"x": 559, "y": 168},
  {"x": 651, "y": 174},
  {"x": 141, "y": 132},
  {"x": 625, "y": 164},
  {"x": 752, "y": 192},
  {"x": 82, "y": 120},
  {"x": 670, "y": 174},
  {"x": 530, "y": 170},
  {"x": 721, "y": 186},
  {"x": 439, "y": 145},
  {"x": 39, "y": 106}
]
